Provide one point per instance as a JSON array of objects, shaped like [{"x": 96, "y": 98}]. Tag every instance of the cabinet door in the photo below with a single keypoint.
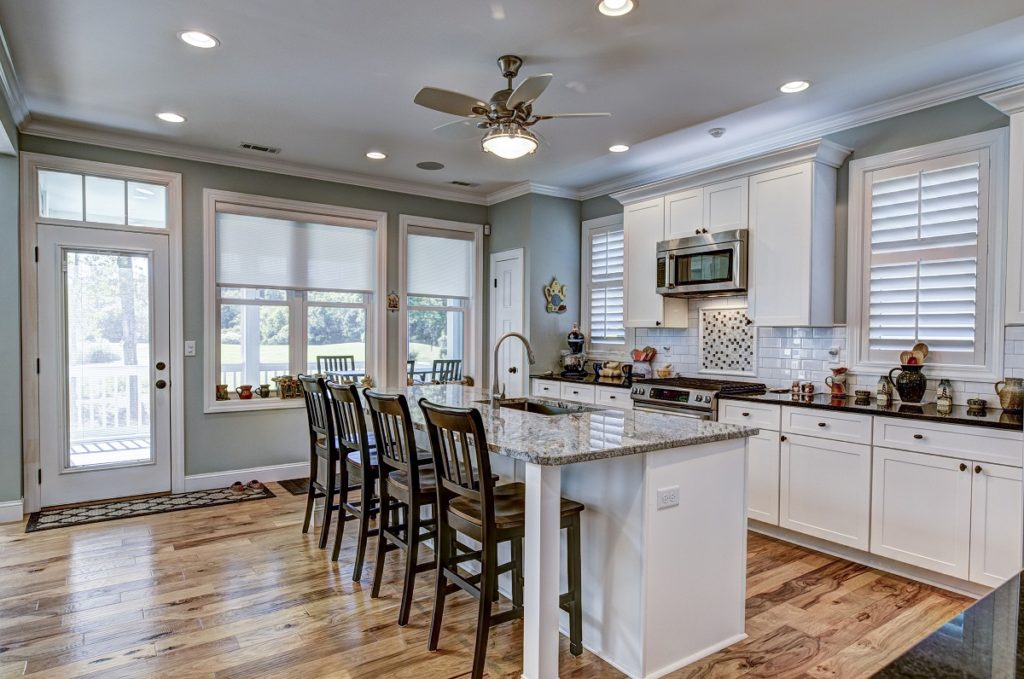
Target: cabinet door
[
  {"x": 684, "y": 213},
  {"x": 725, "y": 205},
  {"x": 921, "y": 510},
  {"x": 763, "y": 477},
  {"x": 644, "y": 226},
  {"x": 995, "y": 523},
  {"x": 825, "y": 489}
]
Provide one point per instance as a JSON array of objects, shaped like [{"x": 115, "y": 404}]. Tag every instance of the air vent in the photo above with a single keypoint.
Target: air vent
[
  {"x": 460, "y": 183},
  {"x": 259, "y": 147}
]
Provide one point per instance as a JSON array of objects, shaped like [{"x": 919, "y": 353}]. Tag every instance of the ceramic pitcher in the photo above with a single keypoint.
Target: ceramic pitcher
[
  {"x": 911, "y": 383},
  {"x": 1011, "y": 395}
]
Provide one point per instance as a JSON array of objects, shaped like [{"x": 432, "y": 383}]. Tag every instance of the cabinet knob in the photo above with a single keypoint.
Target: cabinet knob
[
  {"x": 823, "y": 424},
  {"x": 977, "y": 469},
  {"x": 783, "y": 438},
  {"x": 963, "y": 467},
  {"x": 745, "y": 414},
  {"x": 703, "y": 230},
  {"x": 918, "y": 436},
  {"x": 697, "y": 232},
  {"x": 657, "y": 322}
]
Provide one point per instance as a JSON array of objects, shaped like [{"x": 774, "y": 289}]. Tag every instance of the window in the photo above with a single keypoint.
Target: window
[
  {"x": 101, "y": 200},
  {"x": 441, "y": 278},
  {"x": 920, "y": 238},
  {"x": 602, "y": 273},
  {"x": 292, "y": 282}
]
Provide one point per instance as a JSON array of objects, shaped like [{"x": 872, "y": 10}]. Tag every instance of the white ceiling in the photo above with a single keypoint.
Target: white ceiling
[{"x": 326, "y": 80}]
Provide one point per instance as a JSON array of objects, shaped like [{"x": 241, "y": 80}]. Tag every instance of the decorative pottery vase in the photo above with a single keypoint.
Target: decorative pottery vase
[
  {"x": 1011, "y": 395},
  {"x": 911, "y": 383},
  {"x": 576, "y": 339},
  {"x": 244, "y": 392}
]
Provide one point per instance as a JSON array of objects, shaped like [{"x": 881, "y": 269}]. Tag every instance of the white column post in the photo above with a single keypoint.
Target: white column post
[{"x": 541, "y": 571}]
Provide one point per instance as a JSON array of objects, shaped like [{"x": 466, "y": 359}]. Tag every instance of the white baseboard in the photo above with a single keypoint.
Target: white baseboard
[
  {"x": 13, "y": 510},
  {"x": 277, "y": 472},
  {"x": 881, "y": 563}
]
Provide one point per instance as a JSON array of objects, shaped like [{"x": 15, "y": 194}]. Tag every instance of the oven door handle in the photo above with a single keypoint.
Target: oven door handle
[
  {"x": 669, "y": 410},
  {"x": 670, "y": 271}
]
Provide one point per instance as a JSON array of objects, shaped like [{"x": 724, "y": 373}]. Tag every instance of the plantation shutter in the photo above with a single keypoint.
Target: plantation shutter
[
  {"x": 607, "y": 255},
  {"x": 926, "y": 239}
]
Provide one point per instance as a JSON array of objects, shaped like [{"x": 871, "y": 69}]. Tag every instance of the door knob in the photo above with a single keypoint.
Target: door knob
[
  {"x": 160, "y": 384},
  {"x": 513, "y": 370},
  {"x": 160, "y": 365}
]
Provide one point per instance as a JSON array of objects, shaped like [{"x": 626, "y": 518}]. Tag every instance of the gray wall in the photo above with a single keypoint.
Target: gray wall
[
  {"x": 948, "y": 121},
  {"x": 226, "y": 441},
  {"x": 10, "y": 333},
  {"x": 602, "y": 206}
]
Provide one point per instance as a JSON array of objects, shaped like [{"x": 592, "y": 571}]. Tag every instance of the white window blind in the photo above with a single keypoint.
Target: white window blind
[
  {"x": 439, "y": 265},
  {"x": 279, "y": 253},
  {"x": 926, "y": 233},
  {"x": 607, "y": 254}
]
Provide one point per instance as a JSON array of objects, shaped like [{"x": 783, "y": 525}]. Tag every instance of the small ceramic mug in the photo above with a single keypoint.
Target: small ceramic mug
[
  {"x": 264, "y": 390},
  {"x": 222, "y": 392},
  {"x": 244, "y": 392}
]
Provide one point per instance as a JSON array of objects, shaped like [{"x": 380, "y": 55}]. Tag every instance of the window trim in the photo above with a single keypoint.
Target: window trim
[
  {"x": 590, "y": 225},
  {"x": 991, "y": 265},
  {"x": 472, "y": 362},
  {"x": 376, "y": 322}
]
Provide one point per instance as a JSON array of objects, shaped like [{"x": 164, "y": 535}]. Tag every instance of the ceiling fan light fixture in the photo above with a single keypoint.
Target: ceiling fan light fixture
[
  {"x": 509, "y": 141},
  {"x": 616, "y": 8}
]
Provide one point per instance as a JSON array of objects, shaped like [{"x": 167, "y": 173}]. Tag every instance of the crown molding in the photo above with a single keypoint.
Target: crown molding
[
  {"x": 10, "y": 86},
  {"x": 85, "y": 135},
  {"x": 969, "y": 86},
  {"x": 523, "y": 188},
  {"x": 1010, "y": 100}
]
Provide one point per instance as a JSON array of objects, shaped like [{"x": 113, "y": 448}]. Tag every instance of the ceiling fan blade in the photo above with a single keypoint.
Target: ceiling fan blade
[
  {"x": 447, "y": 101},
  {"x": 529, "y": 90},
  {"x": 460, "y": 129},
  {"x": 573, "y": 115}
]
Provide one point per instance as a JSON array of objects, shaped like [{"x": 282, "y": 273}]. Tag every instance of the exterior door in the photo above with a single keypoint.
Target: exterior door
[
  {"x": 507, "y": 316},
  {"x": 104, "y": 400}
]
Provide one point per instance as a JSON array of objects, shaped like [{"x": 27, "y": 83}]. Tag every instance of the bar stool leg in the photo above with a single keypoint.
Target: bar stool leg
[
  {"x": 444, "y": 547},
  {"x": 575, "y": 587},
  {"x": 383, "y": 524},
  {"x": 332, "y": 479},
  {"x": 488, "y": 563},
  {"x": 310, "y": 492},
  {"x": 517, "y": 574},
  {"x": 412, "y": 537},
  {"x": 365, "y": 505},
  {"x": 342, "y": 512}
]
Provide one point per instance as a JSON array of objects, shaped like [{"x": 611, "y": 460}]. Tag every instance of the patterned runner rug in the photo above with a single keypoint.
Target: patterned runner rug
[{"x": 61, "y": 517}]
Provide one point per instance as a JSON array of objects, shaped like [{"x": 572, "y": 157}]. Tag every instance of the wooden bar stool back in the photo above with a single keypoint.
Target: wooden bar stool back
[
  {"x": 360, "y": 465},
  {"x": 322, "y": 446},
  {"x": 407, "y": 483}
]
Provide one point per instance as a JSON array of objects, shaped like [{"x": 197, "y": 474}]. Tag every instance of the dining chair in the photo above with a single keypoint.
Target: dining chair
[
  {"x": 410, "y": 369},
  {"x": 328, "y": 364},
  {"x": 446, "y": 370},
  {"x": 469, "y": 503}
]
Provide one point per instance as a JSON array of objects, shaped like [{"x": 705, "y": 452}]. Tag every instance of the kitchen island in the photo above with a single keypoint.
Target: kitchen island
[{"x": 663, "y": 533}]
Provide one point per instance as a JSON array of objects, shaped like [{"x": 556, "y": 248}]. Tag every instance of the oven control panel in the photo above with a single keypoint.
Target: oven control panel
[{"x": 670, "y": 395}]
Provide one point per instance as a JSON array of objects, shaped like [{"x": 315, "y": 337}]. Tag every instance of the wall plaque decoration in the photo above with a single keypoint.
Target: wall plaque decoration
[
  {"x": 554, "y": 293},
  {"x": 727, "y": 342},
  {"x": 393, "y": 301}
]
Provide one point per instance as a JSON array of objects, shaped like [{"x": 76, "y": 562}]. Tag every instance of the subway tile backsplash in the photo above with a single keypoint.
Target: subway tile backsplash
[{"x": 788, "y": 354}]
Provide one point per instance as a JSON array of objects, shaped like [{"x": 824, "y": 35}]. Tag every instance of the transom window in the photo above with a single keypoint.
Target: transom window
[{"x": 101, "y": 200}]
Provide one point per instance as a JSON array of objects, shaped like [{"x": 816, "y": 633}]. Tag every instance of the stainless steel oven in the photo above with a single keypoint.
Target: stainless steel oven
[
  {"x": 695, "y": 398},
  {"x": 708, "y": 265}
]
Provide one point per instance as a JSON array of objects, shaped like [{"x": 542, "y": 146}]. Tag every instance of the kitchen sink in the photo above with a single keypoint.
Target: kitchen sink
[{"x": 538, "y": 407}]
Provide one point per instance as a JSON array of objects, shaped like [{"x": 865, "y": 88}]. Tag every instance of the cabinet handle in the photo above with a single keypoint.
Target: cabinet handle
[
  {"x": 745, "y": 414},
  {"x": 823, "y": 424},
  {"x": 963, "y": 467},
  {"x": 918, "y": 436},
  {"x": 977, "y": 469},
  {"x": 783, "y": 438},
  {"x": 611, "y": 396}
]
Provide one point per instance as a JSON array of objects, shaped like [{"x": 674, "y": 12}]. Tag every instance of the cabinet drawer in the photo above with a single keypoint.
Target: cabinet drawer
[
  {"x": 983, "y": 444},
  {"x": 825, "y": 424},
  {"x": 763, "y": 415},
  {"x": 584, "y": 393},
  {"x": 549, "y": 388},
  {"x": 614, "y": 397}
]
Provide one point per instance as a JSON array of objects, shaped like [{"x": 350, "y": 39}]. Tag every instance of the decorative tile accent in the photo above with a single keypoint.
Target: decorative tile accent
[{"x": 728, "y": 342}]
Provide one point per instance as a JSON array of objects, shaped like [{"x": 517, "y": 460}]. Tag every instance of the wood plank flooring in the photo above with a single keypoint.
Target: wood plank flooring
[{"x": 238, "y": 591}]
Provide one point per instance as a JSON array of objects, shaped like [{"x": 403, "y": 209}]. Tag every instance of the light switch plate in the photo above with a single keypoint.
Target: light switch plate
[
  {"x": 668, "y": 497},
  {"x": 190, "y": 347}
]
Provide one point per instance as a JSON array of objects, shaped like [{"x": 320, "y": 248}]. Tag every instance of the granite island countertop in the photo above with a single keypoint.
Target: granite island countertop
[
  {"x": 989, "y": 417},
  {"x": 592, "y": 433}
]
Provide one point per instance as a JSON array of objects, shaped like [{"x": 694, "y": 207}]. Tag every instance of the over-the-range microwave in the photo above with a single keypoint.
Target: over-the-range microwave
[{"x": 707, "y": 265}]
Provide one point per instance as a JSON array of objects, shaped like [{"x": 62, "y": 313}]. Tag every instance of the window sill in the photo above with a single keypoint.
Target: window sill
[
  {"x": 933, "y": 371},
  {"x": 239, "y": 406}
]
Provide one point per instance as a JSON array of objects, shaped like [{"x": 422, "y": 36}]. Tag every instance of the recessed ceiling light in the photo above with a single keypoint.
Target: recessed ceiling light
[
  {"x": 618, "y": 148},
  {"x": 616, "y": 8},
  {"x": 794, "y": 86},
  {"x": 198, "y": 39},
  {"x": 716, "y": 132},
  {"x": 376, "y": 155},
  {"x": 169, "y": 117}
]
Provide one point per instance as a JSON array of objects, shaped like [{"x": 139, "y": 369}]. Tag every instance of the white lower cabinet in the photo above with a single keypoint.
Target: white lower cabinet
[
  {"x": 825, "y": 489},
  {"x": 549, "y": 388},
  {"x": 996, "y": 523},
  {"x": 615, "y": 397},
  {"x": 763, "y": 477},
  {"x": 921, "y": 510}
]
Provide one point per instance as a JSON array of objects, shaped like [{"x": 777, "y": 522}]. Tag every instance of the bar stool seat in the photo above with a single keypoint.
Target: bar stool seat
[{"x": 509, "y": 507}]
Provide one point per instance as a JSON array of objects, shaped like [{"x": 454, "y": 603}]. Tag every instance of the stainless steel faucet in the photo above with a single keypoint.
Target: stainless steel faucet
[{"x": 495, "y": 393}]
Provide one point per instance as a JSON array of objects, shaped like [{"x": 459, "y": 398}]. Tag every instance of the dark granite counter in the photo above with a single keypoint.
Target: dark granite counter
[
  {"x": 989, "y": 417},
  {"x": 589, "y": 378},
  {"x": 983, "y": 641}
]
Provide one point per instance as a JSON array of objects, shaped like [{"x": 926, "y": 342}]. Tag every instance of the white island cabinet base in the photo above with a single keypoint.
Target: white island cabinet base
[{"x": 662, "y": 588}]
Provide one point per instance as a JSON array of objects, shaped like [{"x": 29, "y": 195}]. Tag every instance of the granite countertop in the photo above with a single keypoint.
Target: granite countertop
[
  {"x": 588, "y": 434},
  {"x": 983, "y": 641},
  {"x": 989, "y": 417},
  {"x": 589, "y": 378}
]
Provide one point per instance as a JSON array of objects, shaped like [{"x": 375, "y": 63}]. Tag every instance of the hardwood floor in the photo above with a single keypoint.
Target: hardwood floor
[{"x": 238, "y": 591}]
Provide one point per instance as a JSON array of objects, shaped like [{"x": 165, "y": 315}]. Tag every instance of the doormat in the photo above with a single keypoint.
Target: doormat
[
  {"x": 295, "y": 486},
  {"x": 62, "y": 517}
]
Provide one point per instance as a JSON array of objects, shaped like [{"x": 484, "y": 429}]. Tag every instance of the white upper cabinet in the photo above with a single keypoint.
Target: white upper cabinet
[
  {"x": 644, "y": 226},
  {"x": 706, "y": 209},
  {"x": 684, "y": 213},
  {"x": 792, "y": 238}
]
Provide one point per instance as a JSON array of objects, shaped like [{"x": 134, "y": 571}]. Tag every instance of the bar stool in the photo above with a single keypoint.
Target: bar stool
[
  {"x": 322, "y": 446},
  {"x": 406, "y": 482},
  {"x": 468, "y": 502},
  {"x": 356, "y": 446}
]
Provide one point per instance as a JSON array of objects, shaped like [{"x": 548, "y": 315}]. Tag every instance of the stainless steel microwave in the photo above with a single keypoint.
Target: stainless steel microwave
[{"x": 707, "y": 265}]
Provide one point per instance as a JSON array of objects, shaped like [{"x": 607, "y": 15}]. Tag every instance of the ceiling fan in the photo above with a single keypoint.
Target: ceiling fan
[{"x": 507, "y": 117}]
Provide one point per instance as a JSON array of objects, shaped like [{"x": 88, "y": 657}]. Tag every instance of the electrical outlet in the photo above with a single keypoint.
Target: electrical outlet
[
  {"x": 833, "y": 355},
  {"x": 668, "y": 497},
  {"x": 190, "y": 347}
]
